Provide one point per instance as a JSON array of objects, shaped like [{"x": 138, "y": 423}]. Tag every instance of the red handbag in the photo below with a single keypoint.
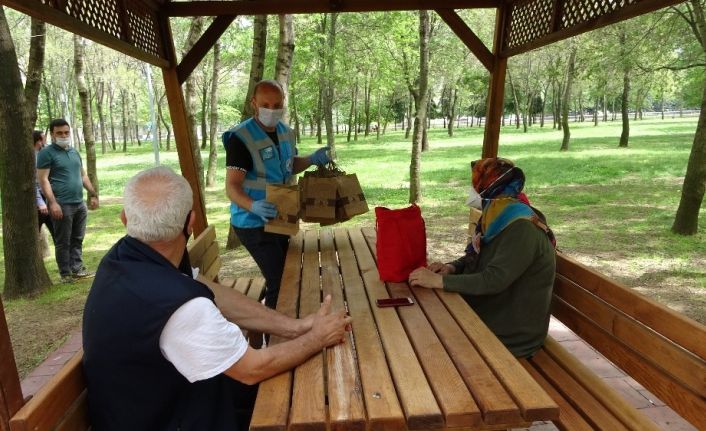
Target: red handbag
[{"x": 401, "y": 242}]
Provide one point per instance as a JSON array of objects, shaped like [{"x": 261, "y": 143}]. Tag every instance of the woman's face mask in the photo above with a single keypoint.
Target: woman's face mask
[{"x": 474, "y": 199}]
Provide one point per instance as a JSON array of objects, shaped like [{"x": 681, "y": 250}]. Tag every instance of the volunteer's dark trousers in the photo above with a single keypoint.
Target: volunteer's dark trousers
[{"x": 269, "y": 251}]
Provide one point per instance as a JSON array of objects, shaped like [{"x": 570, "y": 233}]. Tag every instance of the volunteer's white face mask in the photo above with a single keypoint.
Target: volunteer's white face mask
[
  {"x": 474, "y": 199},
  {"x": 269, "y": 117},
  {"x": 63, "y": 142}
]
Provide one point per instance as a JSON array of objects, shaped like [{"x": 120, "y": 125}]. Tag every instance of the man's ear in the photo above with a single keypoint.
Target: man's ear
[
  {"x": 123, "y": 218},
  {"x": 253, "y": 105},
  {"x": 192, "y": 220}
]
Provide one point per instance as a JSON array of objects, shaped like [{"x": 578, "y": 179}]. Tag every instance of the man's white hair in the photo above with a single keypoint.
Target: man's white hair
[{"x": 157, "y": 202}]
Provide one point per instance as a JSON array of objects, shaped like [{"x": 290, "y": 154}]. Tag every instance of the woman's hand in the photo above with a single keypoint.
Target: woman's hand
[
  {"x": 423, "y": 277},
  {"x": 441, "y": 268}
]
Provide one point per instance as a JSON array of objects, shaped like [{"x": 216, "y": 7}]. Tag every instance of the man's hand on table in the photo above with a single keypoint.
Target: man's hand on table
[
  {"x": 423, "y": 277},
  {"x": 441, "y": 268},
  {"x": 330, "y": 326}
]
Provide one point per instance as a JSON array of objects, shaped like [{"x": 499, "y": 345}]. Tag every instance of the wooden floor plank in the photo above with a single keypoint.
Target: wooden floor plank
[
  {"x": 493, "y": 399},
  {"x": 534, "y": 403},
  {"x": 416, "y": 396},
  {"x": 345, "y": 398},
  {"x": 454, "y": 398},
  {"x": 271, "y": 410},
  {"x": 381, "y": 402},
  {"x": 309, "y": 406}
]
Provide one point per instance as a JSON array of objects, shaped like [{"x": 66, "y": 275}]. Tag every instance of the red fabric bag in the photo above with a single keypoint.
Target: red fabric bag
[{"x": 401, "y": 242}]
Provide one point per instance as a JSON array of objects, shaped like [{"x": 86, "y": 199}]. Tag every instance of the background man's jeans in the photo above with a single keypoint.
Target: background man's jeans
[
  {"x": 268, "y": 250},
  {"x": 68, "y": 238}
]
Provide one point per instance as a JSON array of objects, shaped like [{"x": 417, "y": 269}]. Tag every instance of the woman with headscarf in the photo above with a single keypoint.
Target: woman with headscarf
[{"x": 507, "y": 273}]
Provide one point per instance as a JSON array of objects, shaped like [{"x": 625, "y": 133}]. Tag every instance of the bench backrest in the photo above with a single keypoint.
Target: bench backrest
[
  {"x": 204, "y": 254},
  {"x": 59, "y": 405},
  {"x": 661, "y": 349}
]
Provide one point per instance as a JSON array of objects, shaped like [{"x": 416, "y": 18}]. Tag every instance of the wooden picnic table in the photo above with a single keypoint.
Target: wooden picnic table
[{"x": 433, "y": 365}]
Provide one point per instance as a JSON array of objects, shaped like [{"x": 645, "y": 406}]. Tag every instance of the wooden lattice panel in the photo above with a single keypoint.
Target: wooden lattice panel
[
  {"x": 100, "y": 14},
  {"x": 534, "y": 23},
  {"x": 143, "y": 28},
  {"x": 530, "y": 20}
]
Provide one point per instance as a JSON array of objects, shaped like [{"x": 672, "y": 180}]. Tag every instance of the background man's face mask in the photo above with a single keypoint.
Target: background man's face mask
[
  {"x": 63, "y": 142},
  {"x": 269, "y": 117}
]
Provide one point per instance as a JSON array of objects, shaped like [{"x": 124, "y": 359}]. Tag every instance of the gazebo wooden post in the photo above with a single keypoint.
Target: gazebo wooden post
[
  {"x": 10, "y": 391},
  {"x": 496, "y": 92},
  {"x": 180, "y": 123}
]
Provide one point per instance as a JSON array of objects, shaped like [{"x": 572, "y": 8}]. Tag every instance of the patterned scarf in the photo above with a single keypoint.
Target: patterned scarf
[{"x": 500, "y": 184}]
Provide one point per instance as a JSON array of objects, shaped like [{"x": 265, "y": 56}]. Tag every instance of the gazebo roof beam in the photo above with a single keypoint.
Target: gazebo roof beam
[{"x": 265, "y": 7}]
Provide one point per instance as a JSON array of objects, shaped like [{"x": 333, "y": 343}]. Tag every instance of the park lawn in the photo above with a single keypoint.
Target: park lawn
[{"x": 610, "y": 208}]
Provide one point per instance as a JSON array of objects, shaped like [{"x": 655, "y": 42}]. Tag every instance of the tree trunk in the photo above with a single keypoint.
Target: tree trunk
[
  {"x": 295, "y": 118},
  {"x": 160, "y": 112},
  {"x": 329, "y": 87},
  {"x": 351, "y": 114},
  {"x": 366, "y": 107},
  {"x": 452, "y": 110},
  {"x": 257, "y": 66},
  {"x": 191, "y": 103},
  {"x": 605, "y": 107},
  {"x": 567, "y": 96},
  {"x": 213, "y": 132},
  {"x": 515, "y": 101},
  {"x": 25, "y": 273},
  {"x": 421, "y": 99},
  {"x": 285, "y": 53},
  {"x": 35, "y": 65},
  {"x": 47, "y": 98},
  {"x": 86, "y": 118},
  {"x": 100, "y": 96},
  {"x": 595, "y": 112},
  {"x": 686, "y": 221},
  {"x": 123, "y": 96},
  {"x": 377, "y": 136},
  {"x": 110, "y": 116},
  {"x": 625, "y": 135},
  {"x": 204, "y": 119},
  {"x": 408, "y": 129}
]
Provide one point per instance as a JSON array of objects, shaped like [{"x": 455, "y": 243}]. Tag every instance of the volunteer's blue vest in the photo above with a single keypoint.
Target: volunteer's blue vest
[
  {"x": 131, "y": 386},
  {"x": 270, "y": 165}
]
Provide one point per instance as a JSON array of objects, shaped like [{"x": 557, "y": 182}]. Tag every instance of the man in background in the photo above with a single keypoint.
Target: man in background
[{"x": 62, "y": 179}]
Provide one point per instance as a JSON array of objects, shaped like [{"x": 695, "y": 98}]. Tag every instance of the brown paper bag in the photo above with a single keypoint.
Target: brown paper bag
[
  {"x": 351, "y": 200},
  {"x": 318, "y": 199},
  {"x": 286, "y": 199}
]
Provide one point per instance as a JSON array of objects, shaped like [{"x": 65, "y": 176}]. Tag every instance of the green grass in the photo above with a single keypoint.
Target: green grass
[{"x": 610, "y": 208}]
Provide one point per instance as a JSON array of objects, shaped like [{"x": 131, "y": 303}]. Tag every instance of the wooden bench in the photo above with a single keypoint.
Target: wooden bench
[
  {"x": 659, "y": 348},
  {"x": 61, "y": 405}
]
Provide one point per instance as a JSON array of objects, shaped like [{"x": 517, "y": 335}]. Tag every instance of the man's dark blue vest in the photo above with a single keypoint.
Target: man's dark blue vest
[{"x": 131, "y": 386}]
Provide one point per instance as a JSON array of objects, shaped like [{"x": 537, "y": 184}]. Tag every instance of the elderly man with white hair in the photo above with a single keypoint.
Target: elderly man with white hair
[{"x": 163, "y": 351}]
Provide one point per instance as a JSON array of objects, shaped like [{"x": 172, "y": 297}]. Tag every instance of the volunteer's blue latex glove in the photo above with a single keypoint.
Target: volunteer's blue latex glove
[
  {"x": 264, "y": 209},
  {"x": 320, "y": 157}
]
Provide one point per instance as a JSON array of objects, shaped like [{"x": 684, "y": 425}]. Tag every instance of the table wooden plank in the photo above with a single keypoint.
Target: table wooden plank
[
  {"x": 309, "y": 404},
  {"x": 451, "y": 392},
  {"x": 534, "y": 403},
  {"x": 274, "y": 395},
  {"x": 345, "y": 398},
  {"x": 495, "y": 403},
  {"x": 416, "y": 396},
  {"x": 383, "y": 407}
]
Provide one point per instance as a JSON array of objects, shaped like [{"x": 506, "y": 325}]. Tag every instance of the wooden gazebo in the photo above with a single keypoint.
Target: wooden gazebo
[{"x": 141, "y": 29}]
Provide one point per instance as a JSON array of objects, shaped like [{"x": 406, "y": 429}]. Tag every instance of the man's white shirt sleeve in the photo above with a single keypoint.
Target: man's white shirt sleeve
[{"x": 200, "y": 342}]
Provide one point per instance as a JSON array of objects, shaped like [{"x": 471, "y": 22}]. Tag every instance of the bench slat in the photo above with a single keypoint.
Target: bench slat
[
  {"x": 416, "y": 396},
  {"x": 601, "y": 391},
  {"x": 212, "y": 272},
  {"x": 209, "y": 256},
  {"x": 308, "y": 408},
  {"x": 689, "y": 405},
  {"x": 493, "y": 400},
  {"x": 76, "y": 418},
  {"x": 272, "y": 411},
  {"x": 346, "y": 408},
  {"x": 569, "y": 418},
  {"x": 590, "y": 408},
  {"x": 50, "y": 403},
  {"x": 382, "y": 405},
  {"x": 256, "y": 287},
  {"x": 685, "y": 367},
  {"x": 242, "y": 285},
  {"x": 668, "y": 323},
  {"x": 533, "y": 402}
]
